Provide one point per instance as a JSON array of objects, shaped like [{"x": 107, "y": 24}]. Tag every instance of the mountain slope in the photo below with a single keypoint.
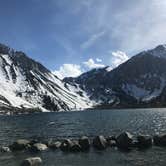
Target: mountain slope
[
  {"x": 141, "y": 81},
  {"x": 25, "y": 83}
]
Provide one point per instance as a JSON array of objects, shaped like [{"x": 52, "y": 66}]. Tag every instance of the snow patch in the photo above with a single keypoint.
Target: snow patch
[{"x": 141, "y": 93}]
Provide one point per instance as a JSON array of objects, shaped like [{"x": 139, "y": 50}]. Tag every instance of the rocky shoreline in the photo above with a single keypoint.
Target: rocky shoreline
[{"x": 123, "y": 142}]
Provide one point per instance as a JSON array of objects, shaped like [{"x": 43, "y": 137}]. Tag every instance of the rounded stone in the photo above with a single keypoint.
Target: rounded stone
[
  {"x": 33, "y": 161},
  {"x": 100, "y": 142}
]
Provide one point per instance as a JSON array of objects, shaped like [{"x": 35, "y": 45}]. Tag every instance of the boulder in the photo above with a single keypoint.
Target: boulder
[
  {"x": 144, "y": 141},
  {"x": 38, "y": 147},
  {"x": 4, "y": 149},
  {"x": 66, "y": 145},
  {"x": 20, "y": 144},
  {"x": 33, "y": 161},
  {"x": 34, "y": 141},
  {"x": 54, "y": 145},
  {"x": 100, "y": 142},
  {"x": 160, "y": 140},
  {"x": 124, "y": 141},
  {"x": 75, "y": 147},
  {"x": 111, "y": 143},
  {"x": 84, "y": 143},
  {"x": 111, "y": 138}
]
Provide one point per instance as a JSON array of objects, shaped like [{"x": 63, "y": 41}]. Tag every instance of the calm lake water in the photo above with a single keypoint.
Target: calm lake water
[{"x": 90, "y": 123}]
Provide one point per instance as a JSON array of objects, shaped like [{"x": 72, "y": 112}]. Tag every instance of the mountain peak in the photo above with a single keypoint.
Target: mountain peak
[
  {"x": 5, "y": 49},
  {"x": 159, "y": 51}
]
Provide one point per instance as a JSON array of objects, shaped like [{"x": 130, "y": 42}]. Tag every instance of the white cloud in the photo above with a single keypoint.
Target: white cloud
[
  {"x": 98, "y": 60},
  {"x": 68, "y": 70},
  {"x": 92, "y": 64},
  {"x": 92, "y": 40},
  {"x": 118, "y": 58}
]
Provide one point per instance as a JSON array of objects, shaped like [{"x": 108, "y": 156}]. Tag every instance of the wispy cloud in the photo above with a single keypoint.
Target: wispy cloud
[
  {"x": 83, "y": 28},
  {"x": 126, "y": 24},
  {"x": 92, "y": 39}
]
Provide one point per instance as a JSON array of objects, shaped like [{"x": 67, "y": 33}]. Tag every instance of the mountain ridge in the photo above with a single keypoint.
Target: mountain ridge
[
  {"x": 26, "y": 83},
  {"x": 138, "y": 82}
]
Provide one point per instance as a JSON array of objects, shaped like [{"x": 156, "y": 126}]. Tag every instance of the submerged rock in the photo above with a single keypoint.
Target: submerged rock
[
  {"x": 39, "y": 147},
  {"x": 144, "y": 141},
  {"x": 33, "y": 161},
  {"x": 84, "y": 143},
  {"x": 160, "y": 140},
  {"x": 100, "y": 142},
  {"x": 20, "y": 144},
  {"x": 124, "y": 140}
]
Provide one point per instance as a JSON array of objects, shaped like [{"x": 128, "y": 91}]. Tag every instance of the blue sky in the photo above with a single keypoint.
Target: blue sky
[{"x": 72, "y": 36}]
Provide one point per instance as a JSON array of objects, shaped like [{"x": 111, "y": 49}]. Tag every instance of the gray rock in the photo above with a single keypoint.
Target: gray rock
[
  {"x": 5, "y": 149},
  {"x": 144, "y": 141},
  {"x": 20, "y": 144},
  {"x": 54, "y": 145},
  {"x": 34, "y": 141},
  {"x": 75, "y": 147},
  {"x": 84, "y": 143},
  {"x": 111, "y": 143},
  {"x": 124, "y": 141},
  {"x": 111, "y": 138},
  {"x": 100, "y": 142},
  {"x": 66, "y": 145},
  {"x": 160, "y": 140},
  {"x": 34, "y": 161},
  {"x": 39, "y": 147}
]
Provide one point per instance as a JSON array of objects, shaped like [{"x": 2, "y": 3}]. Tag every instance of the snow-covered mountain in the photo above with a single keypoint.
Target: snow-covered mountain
[
  {"x": 25, "y": 83},
  {"x": 139, "y": 82}
]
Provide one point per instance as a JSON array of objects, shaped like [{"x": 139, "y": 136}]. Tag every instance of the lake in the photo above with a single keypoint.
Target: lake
[{"x": 89, "y": 123}]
